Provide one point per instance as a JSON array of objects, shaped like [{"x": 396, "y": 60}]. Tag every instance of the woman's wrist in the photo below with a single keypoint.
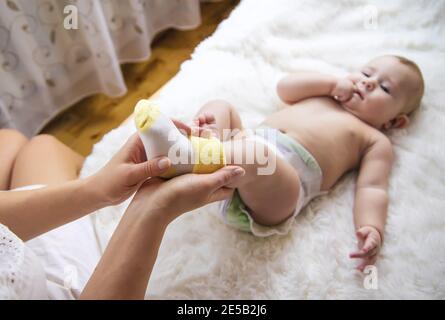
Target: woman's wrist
[
  {"x": 95, "y": 193},
  {"x": 146, "y": 211},
  {"x": 124, "y": 269}
]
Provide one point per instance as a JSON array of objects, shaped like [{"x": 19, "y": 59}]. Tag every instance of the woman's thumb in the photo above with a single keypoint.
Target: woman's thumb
[
  {"x": 225, "y": 176},
  {"x": 150, "y": 168}
]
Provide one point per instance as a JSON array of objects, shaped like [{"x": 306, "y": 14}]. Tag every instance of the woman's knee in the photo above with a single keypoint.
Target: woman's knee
[
  {"x": 45, "y": 145},
  {"x": 12, "y": 137},
  {"x": 45, "y": 160},
  {"x": 11, "y": 143},
  {"x": 44, "y": 140},
  {"x": 41, "y": 145}
]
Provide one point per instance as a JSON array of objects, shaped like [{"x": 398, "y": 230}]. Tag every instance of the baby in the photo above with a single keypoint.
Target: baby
[{"x": 331, "y": 126}]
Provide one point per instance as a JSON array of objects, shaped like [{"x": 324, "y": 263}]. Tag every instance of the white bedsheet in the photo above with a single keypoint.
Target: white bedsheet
[{"x": 200, "y": 257}]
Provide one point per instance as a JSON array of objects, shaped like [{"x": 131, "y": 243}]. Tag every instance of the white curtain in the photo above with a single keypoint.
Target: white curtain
[{"x": 45, "y": 68}]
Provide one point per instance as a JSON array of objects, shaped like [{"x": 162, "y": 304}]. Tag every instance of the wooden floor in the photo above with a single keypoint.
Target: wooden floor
[{"x": 82, "y": 125}]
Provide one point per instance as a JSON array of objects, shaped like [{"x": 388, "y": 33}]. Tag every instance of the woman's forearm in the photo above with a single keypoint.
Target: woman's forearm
[
  {"x": 125, "y": 268},
  {"x": 34, "y": 212}
]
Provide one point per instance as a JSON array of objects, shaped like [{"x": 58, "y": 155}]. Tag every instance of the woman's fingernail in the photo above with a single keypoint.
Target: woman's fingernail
[
  {"x": 238, "y": 172},
  {"x": 164, "y": 163}
]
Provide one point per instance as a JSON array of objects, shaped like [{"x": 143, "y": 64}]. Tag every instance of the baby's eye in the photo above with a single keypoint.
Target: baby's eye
[
  {"x": 365, "y": 74},
  {"x": 384, "y": 88}
]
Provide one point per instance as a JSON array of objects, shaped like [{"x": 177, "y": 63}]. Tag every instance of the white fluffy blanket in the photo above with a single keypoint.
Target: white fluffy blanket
[{"x": 262, "y": 40}]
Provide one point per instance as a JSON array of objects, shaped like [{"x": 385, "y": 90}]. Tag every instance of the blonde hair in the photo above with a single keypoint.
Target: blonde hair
[{"x": 418, "y": 93}]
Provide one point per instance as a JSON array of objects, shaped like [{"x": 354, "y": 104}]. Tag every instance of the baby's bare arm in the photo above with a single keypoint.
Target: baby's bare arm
[
  {"x": 371, "y": 198},
  {"x": 303, "y": 85}
]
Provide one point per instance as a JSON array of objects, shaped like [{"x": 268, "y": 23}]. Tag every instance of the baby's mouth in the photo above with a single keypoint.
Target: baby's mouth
[{"x": 359, "y": 93}]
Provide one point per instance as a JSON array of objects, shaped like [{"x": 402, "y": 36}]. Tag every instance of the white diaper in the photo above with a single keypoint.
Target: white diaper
[{"x": 234, "y": 211}]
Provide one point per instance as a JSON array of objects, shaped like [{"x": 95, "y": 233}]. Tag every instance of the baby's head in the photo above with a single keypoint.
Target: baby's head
[{"x": 389, "y": 89}]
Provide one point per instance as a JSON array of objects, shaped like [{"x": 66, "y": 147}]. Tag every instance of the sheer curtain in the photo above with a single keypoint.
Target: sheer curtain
[{"x": 44, "y": 67}]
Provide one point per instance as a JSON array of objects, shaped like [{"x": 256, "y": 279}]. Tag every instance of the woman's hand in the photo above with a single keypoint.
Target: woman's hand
[
  {"x": 128, "y": 169},
  {"x": 167, "y": 200},
  {"x": 124, "y": 270},
  {"x": 126, "y": 172}
]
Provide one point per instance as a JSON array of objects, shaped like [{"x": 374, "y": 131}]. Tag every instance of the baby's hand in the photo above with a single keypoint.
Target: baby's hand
[
  {"x": 204, "y": 125},
  {"x": 369, "y": 244},
  {"x": 343, "y": 90}
]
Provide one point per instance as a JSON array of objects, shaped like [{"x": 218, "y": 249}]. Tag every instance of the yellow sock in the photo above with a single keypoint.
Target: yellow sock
[{"x": 161, "y": 138}]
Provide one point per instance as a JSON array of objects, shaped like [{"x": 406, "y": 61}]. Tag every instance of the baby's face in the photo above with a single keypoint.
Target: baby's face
[{"x": 383, "y": 87}]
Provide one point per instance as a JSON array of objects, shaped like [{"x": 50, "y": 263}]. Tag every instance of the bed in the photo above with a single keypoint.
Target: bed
[{"x": 262, "y": 40}]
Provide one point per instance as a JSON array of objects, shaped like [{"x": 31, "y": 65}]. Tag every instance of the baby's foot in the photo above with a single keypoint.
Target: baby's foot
[
  {"x": 205, "y": 126},
  {"x": 161, "y": 137}
]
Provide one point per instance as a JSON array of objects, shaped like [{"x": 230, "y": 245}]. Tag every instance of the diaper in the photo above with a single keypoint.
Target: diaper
[{"x": 234, "y": 211}]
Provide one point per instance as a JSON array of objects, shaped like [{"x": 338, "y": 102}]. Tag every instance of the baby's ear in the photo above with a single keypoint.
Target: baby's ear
[{"x": 401, "y": 122}]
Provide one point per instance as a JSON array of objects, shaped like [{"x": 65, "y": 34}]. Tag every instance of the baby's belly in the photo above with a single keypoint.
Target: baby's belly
[{"x": 334, "y": 155}]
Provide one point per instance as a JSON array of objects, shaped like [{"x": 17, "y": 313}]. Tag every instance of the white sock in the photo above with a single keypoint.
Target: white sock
[{"x": 161, "y": 138}]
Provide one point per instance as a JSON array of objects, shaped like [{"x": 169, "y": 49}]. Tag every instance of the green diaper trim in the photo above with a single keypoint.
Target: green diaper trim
[{"x": 236, "y": 213}]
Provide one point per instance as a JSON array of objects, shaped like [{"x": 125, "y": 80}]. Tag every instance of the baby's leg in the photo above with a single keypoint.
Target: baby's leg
[
  {"x": 219, "y": 115},
  {"x": 271, "y": 198}
]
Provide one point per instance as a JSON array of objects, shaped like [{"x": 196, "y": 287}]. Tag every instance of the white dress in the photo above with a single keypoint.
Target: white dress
[
  {"x": 54, "y": 265},
  {"x": 21, "y": 274}
]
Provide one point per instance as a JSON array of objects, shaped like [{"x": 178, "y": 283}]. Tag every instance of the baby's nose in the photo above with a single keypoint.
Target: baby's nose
[{"x": 368, "y": 84}]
